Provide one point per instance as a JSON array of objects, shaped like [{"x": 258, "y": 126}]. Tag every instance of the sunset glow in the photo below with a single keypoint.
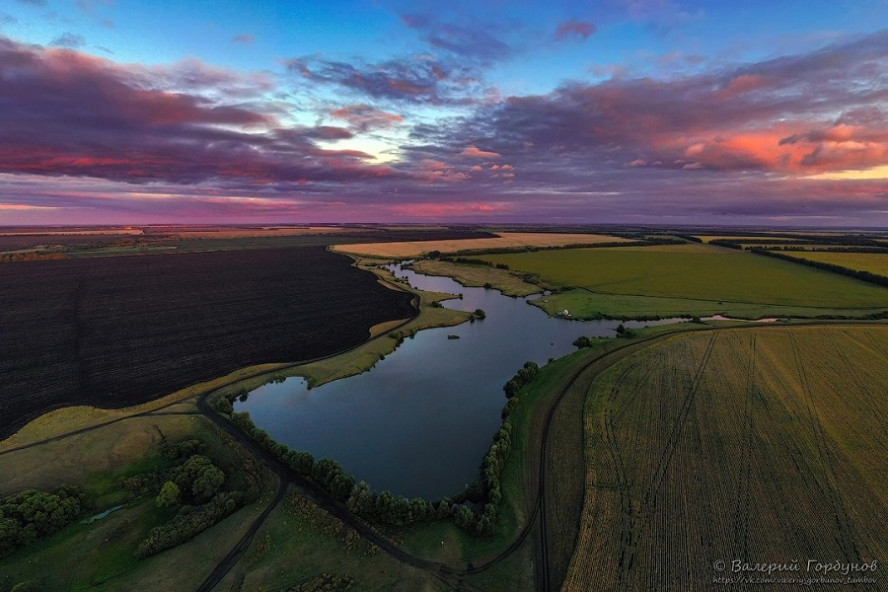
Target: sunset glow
[{"x": 620, "y": 111}]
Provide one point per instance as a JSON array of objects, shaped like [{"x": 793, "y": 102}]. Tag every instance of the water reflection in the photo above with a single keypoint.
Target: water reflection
[{"x": 419, "y": 423}]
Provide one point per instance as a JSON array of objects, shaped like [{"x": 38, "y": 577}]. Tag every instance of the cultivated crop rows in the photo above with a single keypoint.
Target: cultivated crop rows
[
  {"x": 764, "y": 445},
  {"x": 118, "y": 331}
]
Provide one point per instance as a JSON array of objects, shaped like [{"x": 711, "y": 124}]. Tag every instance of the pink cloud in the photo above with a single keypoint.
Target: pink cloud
[
  {"x": 577, "y": 29},
  {"x": 243, "y": 38},
  {"x": 365, "y": 118},
  {"x": 475, "y": 152},
  {"x": 68, "y": 113},
  {"x": 434, "y": 171}
]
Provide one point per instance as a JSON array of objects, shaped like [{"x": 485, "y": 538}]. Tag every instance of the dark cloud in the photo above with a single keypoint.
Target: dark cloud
[
  {"x": 778, "y": 115},
  {"x": 66, "y": 113},
  {"x": 474, "y": 41},
  {"x": 419, "y": 79},
  {"x": 243, "y": 38},
  {"x": 732, "y": 144},
  {"x": 576, "y": 29},
  {"x": 69, "y": 40},
  {"x": 6, "y": 19}
]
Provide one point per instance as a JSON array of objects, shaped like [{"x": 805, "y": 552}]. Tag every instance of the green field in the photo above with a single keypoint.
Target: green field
[
  {"x": 688, "y": 279},
  {"x": 476, "y": 276},
  {"x": 764, "y": 444},
  {"x": 872, "y": 262},
  {"x": 301, "y": 547},
  {"x": 99, "y": 556}
]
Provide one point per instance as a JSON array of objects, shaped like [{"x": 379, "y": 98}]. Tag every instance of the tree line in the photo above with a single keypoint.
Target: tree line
[
  {"x": 864, "y": 276},
  {"x": 485, "y": 495}
]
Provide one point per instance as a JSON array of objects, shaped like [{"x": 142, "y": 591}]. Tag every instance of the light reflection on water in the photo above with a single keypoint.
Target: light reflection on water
[{"x": 420, "y": 421}]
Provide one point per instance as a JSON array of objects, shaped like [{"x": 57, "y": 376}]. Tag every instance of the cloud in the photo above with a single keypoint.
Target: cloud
[
  {"x": 6, "y": 19},
  {"x": 475, "y": 152},
  {"x": 68, "y": 113},
  {"x": 69, "y": 40},
  {"x": 794, "y": 115},
  {"x": 418, "y": 79},
  {"x": 365, "y": 118},
  {"x": 581, "y": 30},
  {"x": 194, "y": 76},
  {"x": 34, "y": 2},
  {"x": 243, "y": 38},
  {"x": 802, "y": 138},
  {"x": 474, "y": 40}
]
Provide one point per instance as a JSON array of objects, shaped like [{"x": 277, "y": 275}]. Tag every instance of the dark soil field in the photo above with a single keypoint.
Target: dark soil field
[{"x": 117, "y": 331}]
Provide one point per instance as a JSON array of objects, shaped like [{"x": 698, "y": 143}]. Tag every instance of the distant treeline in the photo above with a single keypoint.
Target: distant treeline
[
  {"x": 458, "y": 257},
  {"x": 846, "y": 244},
  {"x": 864, "y": 276},
  {"x": 818, "y": 249}
]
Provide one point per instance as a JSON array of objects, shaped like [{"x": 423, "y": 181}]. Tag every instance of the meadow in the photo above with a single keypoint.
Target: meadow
[
  {"x": 654, "y": 280},
  {"x": 503, "y": 240},
  {"x": 764, "y": 445},
  {"x": 773, "y": 407},
  {"x": 99, "y": 555},
  {"x": 872, "y": 262}
]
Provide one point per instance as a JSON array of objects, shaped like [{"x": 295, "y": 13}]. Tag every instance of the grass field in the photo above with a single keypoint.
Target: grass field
[
  {"x": 477, "y": 275},
  {"x": 301, "y": 545},
  {"x": 99, "y": 556},
  {"x": 504, "y": 240},
  {"x": 872, "y": 262},
  {"x": 763, "y": 445},
  {"x": 710, "y": 279}
]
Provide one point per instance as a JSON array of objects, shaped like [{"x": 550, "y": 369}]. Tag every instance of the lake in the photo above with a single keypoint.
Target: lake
[{"x": 420, "y": 421}]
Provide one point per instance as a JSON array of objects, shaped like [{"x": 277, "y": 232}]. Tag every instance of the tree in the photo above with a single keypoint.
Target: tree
[
  {"x": 361, "y": 500},
  {"x": 199, "y": 477},
  {"x": 463, "y": 517},
  {"x": 223, "y": 405},
  {"x": 168, "y": 496}
]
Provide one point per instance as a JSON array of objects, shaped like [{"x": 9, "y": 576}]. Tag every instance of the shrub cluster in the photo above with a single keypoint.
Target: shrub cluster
[
  {"x": 189, "y": 522},
  {"x": 191, "y": 479},
  {"x": 522, "y": 377},
  {"x": 31, "y": 515}
]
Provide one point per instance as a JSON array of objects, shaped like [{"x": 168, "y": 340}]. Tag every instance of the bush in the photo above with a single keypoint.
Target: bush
[
  {"x": 188, "y": 523},
  {"x": 168, "y": 496},
  {"x": 198, "y": 478},
  {"x": 583, "y": 342}
]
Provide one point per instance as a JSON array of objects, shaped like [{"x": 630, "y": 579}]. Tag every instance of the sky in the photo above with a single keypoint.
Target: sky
[{"x": 670, "y": 112}]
